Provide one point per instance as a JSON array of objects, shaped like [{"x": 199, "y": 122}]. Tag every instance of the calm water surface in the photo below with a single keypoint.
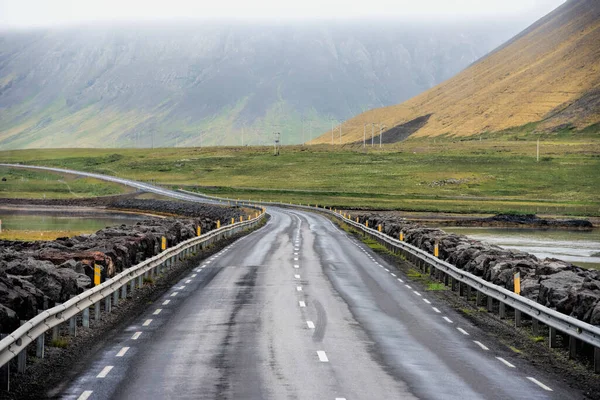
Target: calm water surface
[{"x": 578, "y": 247}]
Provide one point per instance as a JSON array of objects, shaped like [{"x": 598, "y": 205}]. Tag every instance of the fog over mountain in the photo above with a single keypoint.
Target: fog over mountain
[{"x": 213, "y": 82}]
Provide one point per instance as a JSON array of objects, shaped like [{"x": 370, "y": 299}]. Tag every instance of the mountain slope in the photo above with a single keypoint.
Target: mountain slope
[
  {"x": 548, "y": 73},
  {"x": 166, "y": 85}
]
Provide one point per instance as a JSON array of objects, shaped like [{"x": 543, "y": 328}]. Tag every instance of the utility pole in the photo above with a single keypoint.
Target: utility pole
[
  {"x": 332, "y": 132},
  {"x": 372, "y": 133},
  {"x": 381, "y": 133},
  {"x": 364, "y": 135},
  {"x": 277, "y": 140}
]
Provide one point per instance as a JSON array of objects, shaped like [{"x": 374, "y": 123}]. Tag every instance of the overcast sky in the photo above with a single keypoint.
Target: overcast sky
[{"x": 27, "y": 13}]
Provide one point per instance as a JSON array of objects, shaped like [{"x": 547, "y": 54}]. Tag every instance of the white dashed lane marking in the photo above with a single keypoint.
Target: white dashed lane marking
[
  {"x": 295, "y": 258},
  {"x": 408, "y": 286},
  {"x": 400, "y": 280},
  {"x": 322, "y": 356},
  {"x": 122, "y": 352},
  {"x": 136, "y": 335},
  {"x": 461, "y": 330},
  {"x": 417, "y": 293},
  {"x": 188, "y": 281},
  {"x": 448, "y": 320},
  {"x": 147, "y": 322},
  {"x": 310, "y": 324},
  {"x": 193, "y": 276},
  {"x": 166, "y": 302},
  {"x": 436, "y": 310},
  {"x": 104, "y": 372},
  {"x": 297, "y": 276},
  {"x": 299, "y": 288},
  {"x": 174, "y": 294},
  {"x": 540, "y": 384},
  {"x": 483, "y": 347},
  {"x": 85, "y": 395},
  {"x": 158, "y": 310},
  {"x": 393, "y": 274},
  {"x": 302, "y": 304},
  {"x": 503, "y": 361},
  {"x": 426, "y": 301}
]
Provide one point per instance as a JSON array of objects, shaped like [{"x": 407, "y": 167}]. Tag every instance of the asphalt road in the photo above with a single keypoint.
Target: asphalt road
[{"x": 300, "y": 310}]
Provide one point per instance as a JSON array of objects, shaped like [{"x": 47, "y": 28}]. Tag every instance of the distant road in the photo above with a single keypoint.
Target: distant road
[{"x": 301, "y": 310}]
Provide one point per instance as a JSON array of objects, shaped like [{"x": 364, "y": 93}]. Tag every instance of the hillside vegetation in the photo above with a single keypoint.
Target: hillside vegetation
[
  {"x": 549, "y": 75},
  {"x": 497, "y": 174}
]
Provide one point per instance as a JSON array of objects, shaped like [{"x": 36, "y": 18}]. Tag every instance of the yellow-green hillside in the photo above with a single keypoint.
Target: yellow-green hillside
[{"x": 550, "y": 74}]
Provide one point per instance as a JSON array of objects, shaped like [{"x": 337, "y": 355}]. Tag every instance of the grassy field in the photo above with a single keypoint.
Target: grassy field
[
  {"x": 498, "y": 174},
  {"x": 22, "y": 183}
]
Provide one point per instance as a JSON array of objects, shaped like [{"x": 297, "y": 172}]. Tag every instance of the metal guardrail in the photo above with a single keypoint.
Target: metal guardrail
[
  {"x": 18, "y": 340},
  {"x": 560, "y": 322}
]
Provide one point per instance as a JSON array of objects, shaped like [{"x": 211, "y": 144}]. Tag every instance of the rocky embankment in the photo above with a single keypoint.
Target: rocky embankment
[
  {"x": 554, "y": 283},
  {"x": 527, "y": 220},
  {"x": 37, "y": 275}
]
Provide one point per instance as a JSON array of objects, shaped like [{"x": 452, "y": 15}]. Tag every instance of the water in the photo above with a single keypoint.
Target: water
[
  {"x": 87, "y": 222},
  {"x": 581, "y": 248}
]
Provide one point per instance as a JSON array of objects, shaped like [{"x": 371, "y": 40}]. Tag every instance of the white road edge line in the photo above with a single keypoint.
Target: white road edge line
[
  {"x": 122, "y": 352},
  {"x": 85, "y": 395},
  {"x": 310, "y": 324},
  {"x": 322, "y": 356},
  {"x": 483, "y": 347},
  {"x": 461, "y": 330},
  {"x": 104, "y": 372},
  {"x": 502, "y": 360},
  {"x": 136, "y": 335},
  {"x": 540, "y": 384}
]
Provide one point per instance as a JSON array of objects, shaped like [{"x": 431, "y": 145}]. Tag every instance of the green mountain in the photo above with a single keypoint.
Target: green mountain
[{"x": 217, "y": 84}]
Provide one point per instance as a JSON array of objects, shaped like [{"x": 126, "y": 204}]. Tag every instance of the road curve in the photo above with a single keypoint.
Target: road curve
[{"x": 301, "y": 310}]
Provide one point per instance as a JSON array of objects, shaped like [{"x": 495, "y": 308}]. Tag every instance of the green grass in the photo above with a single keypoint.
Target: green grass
[
  {"x": 22, "y": 183},
  {"x": 60, "y": 342},
  {"x": 493, "y": 175}
]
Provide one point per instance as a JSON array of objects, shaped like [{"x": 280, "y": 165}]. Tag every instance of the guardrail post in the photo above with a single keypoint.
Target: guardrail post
[
  {"x": 502, "y": 310},
  {"x": 124, "y": 291},
  {"x": 97, "y": 311},
  {"x": 73, "y": 326},
  {"x": 141, "y": 280},
  {"x": 85, "y": 318},
  {"x": 453, "y": 283},
  {"x": 55, "y": 332},
  {"x": 518, "y": 318},
  {"x": 535, "y": 326},
  {"x": 107, "y": 304},
  {"x": 4, "y": 371},
  {"x": 572, "y": 346},
  {"x": 478, "y": 298},
  {"x": 461, "y": 289},
  {"x": 597, "y": 360},
  {"x": 551, "y": 337},
  {"x": 469, "y": 290},
  {"x": 132, "y": 286},
  {"x": 116, "y": 297},
  {"x": 22, "y": 357},
  {"x": 490, "y": 304}
]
